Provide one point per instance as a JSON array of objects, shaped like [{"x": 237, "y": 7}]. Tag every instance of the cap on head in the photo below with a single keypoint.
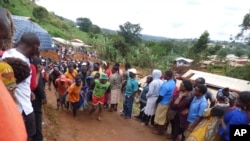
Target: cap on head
[
  {"x": 63, "y": 78},
  {"x": 132, "y": 70},
  {"x": 104, "y": 76}
]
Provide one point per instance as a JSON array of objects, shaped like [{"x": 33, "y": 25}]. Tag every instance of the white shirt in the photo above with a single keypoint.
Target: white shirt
[{"x": 23, "y": 91}]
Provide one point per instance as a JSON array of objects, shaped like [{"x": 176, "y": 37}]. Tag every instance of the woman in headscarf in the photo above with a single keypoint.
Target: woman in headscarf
[
  {"x": 143, "y": 98},
  {"x": 152, "y": 97}
]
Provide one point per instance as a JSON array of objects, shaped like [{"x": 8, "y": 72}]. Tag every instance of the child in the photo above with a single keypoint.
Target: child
[
  {"x": 74, "y": 94},
  {"x": 100, "y": 87}
]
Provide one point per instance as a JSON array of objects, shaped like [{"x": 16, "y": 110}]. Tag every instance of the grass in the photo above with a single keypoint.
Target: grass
[
  {"x": 135, "y": 110},
  {"x": 53, "y": 24},
  {"x": 19, "y": 7}
]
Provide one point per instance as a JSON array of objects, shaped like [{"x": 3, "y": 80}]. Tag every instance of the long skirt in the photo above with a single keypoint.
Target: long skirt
[
  {"x": 115, "y": 94},
  {"x": 150, "y": 108}
]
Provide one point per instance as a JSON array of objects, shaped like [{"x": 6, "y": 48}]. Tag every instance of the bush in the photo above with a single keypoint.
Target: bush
[{"x": 40, "y": 13}]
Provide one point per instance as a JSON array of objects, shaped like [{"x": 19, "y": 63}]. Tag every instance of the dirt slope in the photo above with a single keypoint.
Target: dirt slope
[{"x": 61, "y": 126}]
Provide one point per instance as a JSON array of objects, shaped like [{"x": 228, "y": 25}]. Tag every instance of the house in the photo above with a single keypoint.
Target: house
[
  {"x": 59, "y": 40},
  {"x": 215, "y": 82},
  {"x": 73, "y": 42},
  {"x": 231, "y": 57},
  {"x": 238, "y": 62},
  {"x": 76, "y": 40},
  {"x": 181, "y": 61},
  {"x": 206, "y": 63}
]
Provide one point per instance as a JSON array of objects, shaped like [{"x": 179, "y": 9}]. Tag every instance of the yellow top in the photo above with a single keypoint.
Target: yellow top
[{"x": 7, "y": 75}]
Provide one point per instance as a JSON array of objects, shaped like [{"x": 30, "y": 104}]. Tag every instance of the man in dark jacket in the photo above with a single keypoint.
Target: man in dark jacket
[{"x": 40, "y": 98}]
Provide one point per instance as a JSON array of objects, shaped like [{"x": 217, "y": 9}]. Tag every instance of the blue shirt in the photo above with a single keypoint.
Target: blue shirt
[
  {"x": 132, "y": 85},
  {"x": 167, "y": 91},
  {"x": 197, "y": 108},
  {"x": 233, "y": 117}
]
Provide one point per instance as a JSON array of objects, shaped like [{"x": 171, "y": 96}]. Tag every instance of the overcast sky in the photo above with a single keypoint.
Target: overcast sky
[{"x": 167, "y": 18}]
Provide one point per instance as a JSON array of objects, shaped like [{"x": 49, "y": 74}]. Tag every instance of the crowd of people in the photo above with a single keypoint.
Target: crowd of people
[{"x": 191, "y": 110}]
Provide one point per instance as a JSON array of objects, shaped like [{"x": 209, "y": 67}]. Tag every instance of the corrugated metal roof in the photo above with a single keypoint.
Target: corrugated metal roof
[{"x": 219, "y": 80}]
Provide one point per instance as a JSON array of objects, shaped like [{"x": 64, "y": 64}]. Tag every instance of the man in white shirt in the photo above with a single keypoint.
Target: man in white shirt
[{"x": 25, "y": 48}]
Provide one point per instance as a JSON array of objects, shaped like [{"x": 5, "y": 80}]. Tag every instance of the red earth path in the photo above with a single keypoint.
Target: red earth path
[{"x": 59, "y": 125}]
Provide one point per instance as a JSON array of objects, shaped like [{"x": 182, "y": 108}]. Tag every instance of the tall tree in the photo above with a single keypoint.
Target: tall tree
[
  {"x": 201, "y": 44},
  {"x": 214, "y": 49},
  {"x": 131, "y": 33},
  {"x": 119, "y": 44},
  {"x": 198, "y": 51},
  {"x": 84, "y": 24},
  {"x": 221, "y": 54},
  {"x": 239, "y": 52},
  {"x": 245, "y": 27}
]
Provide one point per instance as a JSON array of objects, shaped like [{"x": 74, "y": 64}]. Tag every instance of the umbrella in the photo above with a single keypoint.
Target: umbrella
[{"x": 22, "y": 25}]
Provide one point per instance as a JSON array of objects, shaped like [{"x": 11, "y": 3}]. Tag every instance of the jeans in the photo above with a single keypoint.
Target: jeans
[{"x": 128, "y": 106}]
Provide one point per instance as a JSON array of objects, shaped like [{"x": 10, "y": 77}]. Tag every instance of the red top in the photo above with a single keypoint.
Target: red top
[
  {"x": 176, "y": 90},
  {"x": 108, "y": 72},
  {"x": 33, "y": 83}
]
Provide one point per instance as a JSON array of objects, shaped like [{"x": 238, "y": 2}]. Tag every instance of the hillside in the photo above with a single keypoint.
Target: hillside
[{"x": 55, "y": 25}]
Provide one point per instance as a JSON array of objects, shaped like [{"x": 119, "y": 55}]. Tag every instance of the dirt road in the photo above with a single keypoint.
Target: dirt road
[{"x": 61, "y": 126}]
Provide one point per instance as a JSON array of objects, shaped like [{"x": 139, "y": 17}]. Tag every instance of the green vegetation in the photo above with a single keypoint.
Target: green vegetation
[
  {"x": 40, "y": 13},
  {"x": 241, "y": 72},
  {"x": 126, "y": 45},
  {"x": 55, "y": 25}
]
